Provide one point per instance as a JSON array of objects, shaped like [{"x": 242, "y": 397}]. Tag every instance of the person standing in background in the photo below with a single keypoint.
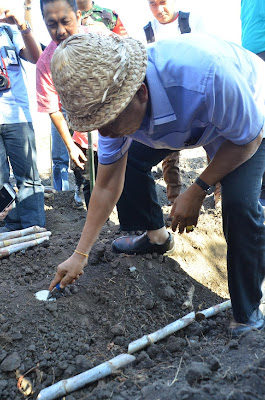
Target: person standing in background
[
  {"x": 253, "y": 39},
  {"x": 60, "y": 156},
  {"x": 92, "y": 14},
  {"x": 62, "y": 20},
  {"x": 17, "y": 136}
]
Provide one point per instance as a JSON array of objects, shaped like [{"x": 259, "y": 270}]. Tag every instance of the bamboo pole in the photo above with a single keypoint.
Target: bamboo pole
[
  {"x": 209, "y": 312},
  {"x": 51, "y": 161},
  {"x": 90, "y": 155},
  {"x": 6, "y": 251},
  {"x": 22, "y": 232},
  {"x": 167, "y": 330},
  {"x": 67, "y": 386},
  {"x": 22, "y": 239}
]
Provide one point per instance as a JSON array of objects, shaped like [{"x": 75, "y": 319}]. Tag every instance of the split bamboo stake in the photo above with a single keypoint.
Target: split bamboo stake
[
  {"x": 67, "y": 386},
  {"x": 22, "y": 239},
  {"x": 14, "y": 248},
  {"x": 22, "y": 232},
  {"x": 90, "y": 155},
  {"x": 209, "y": 312},
  {"x": 167, "y": 330}
]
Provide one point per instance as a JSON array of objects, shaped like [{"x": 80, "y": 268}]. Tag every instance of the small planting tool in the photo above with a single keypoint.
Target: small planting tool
[
  {"x": 56, "y": 292},
  {"x": 47, "y": 295}
]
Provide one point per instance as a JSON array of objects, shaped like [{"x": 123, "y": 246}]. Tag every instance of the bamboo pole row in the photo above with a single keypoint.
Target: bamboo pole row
[
  {"x": 15, "y": 241},
  {"x": 9, "y": 242},
  {"x": 22, "y": 232}
]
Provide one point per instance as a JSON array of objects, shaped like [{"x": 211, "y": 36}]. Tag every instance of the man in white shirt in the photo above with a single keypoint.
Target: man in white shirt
[{"x": 170, "y": 22}]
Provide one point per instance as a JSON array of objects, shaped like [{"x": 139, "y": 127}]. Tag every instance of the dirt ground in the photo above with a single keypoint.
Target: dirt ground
[{"x": 119, "y": 299}]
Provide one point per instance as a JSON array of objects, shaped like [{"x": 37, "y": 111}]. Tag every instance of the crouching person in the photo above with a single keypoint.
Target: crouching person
[{"x": 178, "y": 94}]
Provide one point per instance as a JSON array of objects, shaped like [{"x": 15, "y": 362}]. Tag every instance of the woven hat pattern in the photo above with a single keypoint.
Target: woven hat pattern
[{"x": 97, "y": 76}]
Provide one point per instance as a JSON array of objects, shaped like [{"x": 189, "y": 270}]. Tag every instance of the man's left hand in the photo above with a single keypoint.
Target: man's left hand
[{"x": 186, "y": 208}]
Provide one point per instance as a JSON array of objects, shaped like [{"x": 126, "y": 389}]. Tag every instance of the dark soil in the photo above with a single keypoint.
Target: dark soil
[{"x": 119, "y": 299}]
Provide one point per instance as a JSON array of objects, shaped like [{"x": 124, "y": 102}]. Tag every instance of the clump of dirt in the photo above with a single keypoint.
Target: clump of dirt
[{"x": 119, "y": 299}]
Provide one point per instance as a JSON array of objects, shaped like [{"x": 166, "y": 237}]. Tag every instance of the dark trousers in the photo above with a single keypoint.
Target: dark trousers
[
  {"x": 243, "y": 219},
  {"x": 82, "y": 176},
  {"x": 244, "y": 230},
  {"x": 138, "y": 207},
  {"x": 262, "y": 194}
]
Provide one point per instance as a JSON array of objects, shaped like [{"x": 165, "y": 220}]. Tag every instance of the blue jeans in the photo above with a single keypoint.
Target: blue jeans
[
  {"x": 17, "y": 142},
  {"x": 60, "y": 160},
  {"x": 243, "y": 218}
]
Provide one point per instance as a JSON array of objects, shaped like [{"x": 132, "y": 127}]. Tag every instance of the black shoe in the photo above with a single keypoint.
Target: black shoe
[
  {"x": 255, "y": 322},
  {"x": 141, "y": 245}
]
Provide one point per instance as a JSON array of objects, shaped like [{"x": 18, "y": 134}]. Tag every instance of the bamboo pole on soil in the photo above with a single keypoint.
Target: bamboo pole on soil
[
  {"x": 22, "y": 239},
  {"x": 6, "y": 251},
  {"x": 67, "y": 386},
  {"x": 167, "y": 330},
  {"x": 22, "y": 232},
  {"x": 209, "y": 312}
]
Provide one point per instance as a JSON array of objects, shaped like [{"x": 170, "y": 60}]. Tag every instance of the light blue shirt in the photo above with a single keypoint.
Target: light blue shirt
[
  {"x": 14, "y": 103},
  {"x": 253, "y": 25},
  {"x": 203, "y": 91}
]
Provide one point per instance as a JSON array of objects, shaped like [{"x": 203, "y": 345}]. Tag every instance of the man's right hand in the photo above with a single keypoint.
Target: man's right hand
[
  {"x": 77, "y": 156},
  {"x": 69, "y": 271}
]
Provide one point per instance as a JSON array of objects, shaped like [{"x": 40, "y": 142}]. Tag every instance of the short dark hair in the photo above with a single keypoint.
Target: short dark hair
[{"x": 71, "y": 3}]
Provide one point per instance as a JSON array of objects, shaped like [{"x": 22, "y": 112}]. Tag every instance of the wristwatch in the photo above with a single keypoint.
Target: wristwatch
[
  {"x": 27, "y": 30},
  {"x": 203, "y": 185}
]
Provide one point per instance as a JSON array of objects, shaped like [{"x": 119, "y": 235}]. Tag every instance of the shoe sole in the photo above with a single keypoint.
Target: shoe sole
[
  {"x": 171, "y": 251},
  {"x": 78, "y": 206}
]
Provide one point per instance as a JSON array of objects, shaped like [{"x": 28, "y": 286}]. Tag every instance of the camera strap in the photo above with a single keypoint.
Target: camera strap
[{"x": 3, "y": 68}]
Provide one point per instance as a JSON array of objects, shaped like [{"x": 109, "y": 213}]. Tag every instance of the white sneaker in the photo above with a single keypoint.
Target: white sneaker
[{"x": 78, "y": 202}]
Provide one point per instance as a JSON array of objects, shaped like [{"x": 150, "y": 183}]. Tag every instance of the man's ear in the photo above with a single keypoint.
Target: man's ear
[
  {"x": 142, "y": 93},
  {"x": 78, "y": 16}
]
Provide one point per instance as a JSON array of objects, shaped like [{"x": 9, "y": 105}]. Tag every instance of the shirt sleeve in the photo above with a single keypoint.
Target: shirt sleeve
[
  {"x": 233, "y": 105},
  {"x": 111, "y": 150},
  {"x": 17, "y": 40},
  {"x": 47, "y": 97}
]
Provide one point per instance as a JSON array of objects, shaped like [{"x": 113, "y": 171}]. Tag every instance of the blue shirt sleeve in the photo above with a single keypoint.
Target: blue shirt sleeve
[
  {"x": 111, "y": 150},
  {"x": 17, "y": 40}
]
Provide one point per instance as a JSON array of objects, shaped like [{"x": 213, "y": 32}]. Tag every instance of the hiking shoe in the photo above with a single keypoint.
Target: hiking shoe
[
  {"x": 78, "y": 202},
  {"x": 256, "y": 322},
  {"x": 141, "y": 245}
]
